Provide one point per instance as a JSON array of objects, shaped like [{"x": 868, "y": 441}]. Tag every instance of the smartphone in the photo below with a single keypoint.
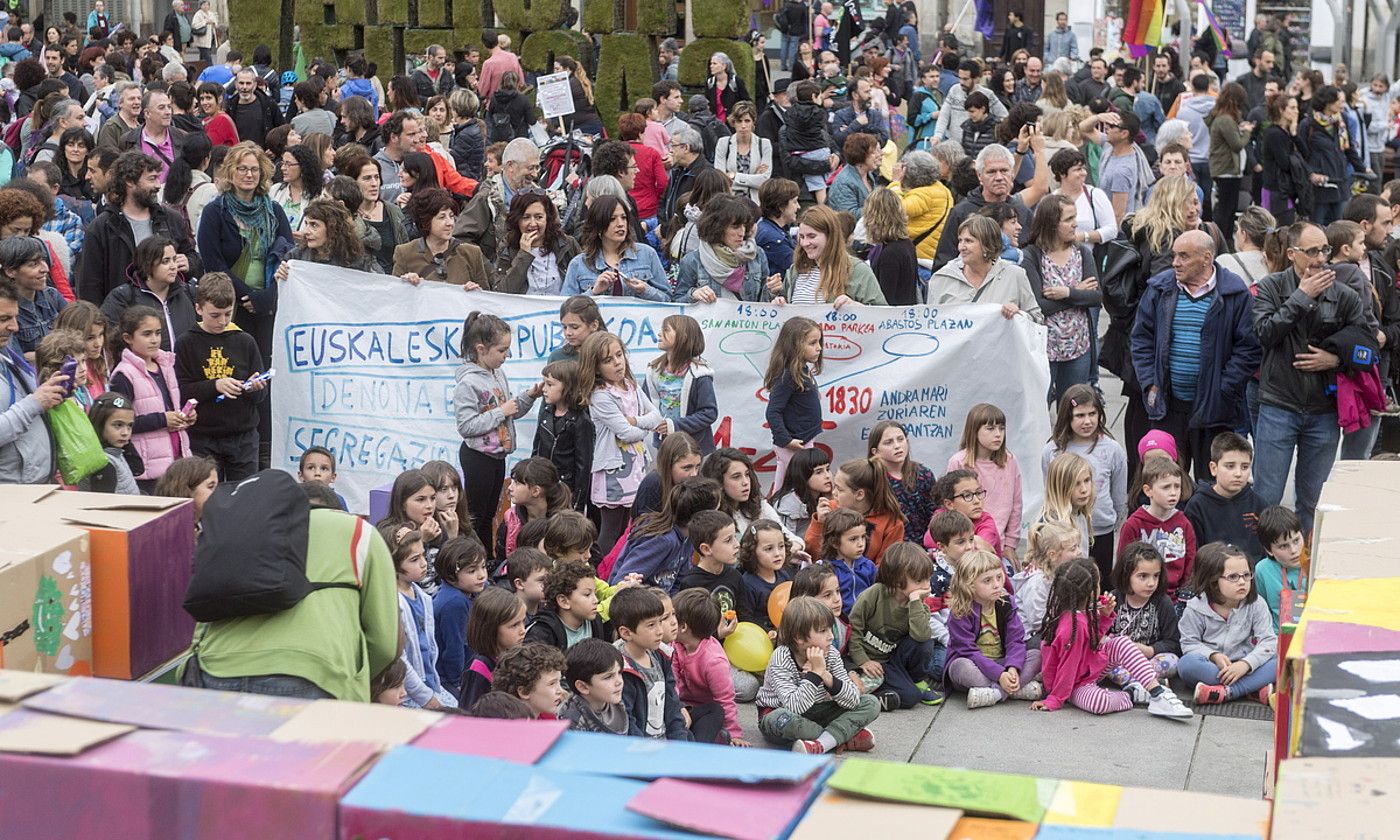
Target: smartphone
[
  {"x": 70, "y": 370},
  {"x": 189, "y": 407}
]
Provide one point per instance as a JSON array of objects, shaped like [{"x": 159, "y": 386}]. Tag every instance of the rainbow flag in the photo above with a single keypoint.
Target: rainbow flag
[
  {"x": 1221, "y": 42},
  {"x": 1144, "y": 26}
]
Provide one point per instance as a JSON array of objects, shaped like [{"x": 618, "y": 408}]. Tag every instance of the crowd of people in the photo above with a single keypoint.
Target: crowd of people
[{"x": 626, "y": 574}]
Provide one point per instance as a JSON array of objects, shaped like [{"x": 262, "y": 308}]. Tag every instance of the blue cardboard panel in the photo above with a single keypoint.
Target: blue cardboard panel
[
  {"x": 649, "y": 758},
  {"x": 488, "y": 791}
]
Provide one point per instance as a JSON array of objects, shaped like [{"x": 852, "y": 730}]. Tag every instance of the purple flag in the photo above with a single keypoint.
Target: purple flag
[{"x": 986, "y": 22}]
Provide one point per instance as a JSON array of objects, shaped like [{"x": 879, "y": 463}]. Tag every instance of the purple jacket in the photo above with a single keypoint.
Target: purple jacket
[{"x": 962, "y": 639}]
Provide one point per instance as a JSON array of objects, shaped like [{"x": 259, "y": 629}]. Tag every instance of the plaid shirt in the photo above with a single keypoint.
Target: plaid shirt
[{"x": 67, "y": 224}]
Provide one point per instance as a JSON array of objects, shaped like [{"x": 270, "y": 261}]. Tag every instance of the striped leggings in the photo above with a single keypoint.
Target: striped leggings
[{"x": 1122, "y": 653}]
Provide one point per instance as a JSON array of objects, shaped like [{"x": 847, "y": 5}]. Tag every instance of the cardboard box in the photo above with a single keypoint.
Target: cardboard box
[
  {"x": 1354, "y": 534},
  {"x": 142, "y": 552},
  {"x": 1356, "y": 798},
  {"x": 45, "y": 598},
  {"x": 158, "y": 785}
]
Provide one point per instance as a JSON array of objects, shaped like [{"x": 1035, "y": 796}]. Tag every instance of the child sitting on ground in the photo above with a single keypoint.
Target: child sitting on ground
[
  {"x": 987, "y": 652},
  {"x": 1227, "y": 509},
  {"x": 819, "y": 581},
  {"x": 317, "y": 463},
  {"x": 593, "y": 669},
  {"x": 805, "y": 699},
  {"x": 764, "y": 554},
  {"x": 1281, "y": 534},
  {"x": 461, "y": 569},
  {"x": 702, "y": 671},
  {"x": 843, "y": 549},
  {"x": 953, "y": 534},
  {"x": 416, "y": 617},
  {"x": 386, "y": 687},
  {"x": 525, "y": 569},
  {"x": 961, "y": 490},
  {"x": 1228, "y": 641},
  {"x": 1048, "y": 545},
  {"x": 1145, "y": 614},
  {"x": 649, "y": 684},
  {"x": 890, "y": 635},
  {"x": 1161, "y": 524},
  {"x": 496, "y": 625},
  {"x": 570, "y": 612},
  {"x": 1076, "y": 653},
  {"x": 716, "y": 555},
  {"x": 534, "y": 674}
]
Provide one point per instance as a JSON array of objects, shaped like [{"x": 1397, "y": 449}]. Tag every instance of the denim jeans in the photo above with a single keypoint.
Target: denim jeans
[
  {"x": 788, "y": 54},
  {"x": 1278, "y": 434},
  {"x": 275, "y": 685},
  {"x": 907, "y": 665},
  {"x": 1357, "y": 445},
  {"x": 1195, "y": 668},
  {"x": 1073, "y": 372}
]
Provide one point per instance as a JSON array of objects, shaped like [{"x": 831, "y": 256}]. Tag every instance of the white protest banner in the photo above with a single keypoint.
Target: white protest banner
[
  {"x": 553, "y": 96},
  {"x": 365, "y": 368}
]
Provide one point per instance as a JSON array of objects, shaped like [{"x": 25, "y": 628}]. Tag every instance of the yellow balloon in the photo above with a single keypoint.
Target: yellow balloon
[
  {"x": 777, "y": 602},
  {"x": 748, "y": 647}
]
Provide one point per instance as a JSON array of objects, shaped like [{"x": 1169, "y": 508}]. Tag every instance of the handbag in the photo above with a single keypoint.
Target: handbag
[{"x": 79, "y": 451}]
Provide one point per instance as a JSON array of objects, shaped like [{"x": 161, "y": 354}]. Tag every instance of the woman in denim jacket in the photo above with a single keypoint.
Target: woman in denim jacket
[{"x": 612, "y": 264}]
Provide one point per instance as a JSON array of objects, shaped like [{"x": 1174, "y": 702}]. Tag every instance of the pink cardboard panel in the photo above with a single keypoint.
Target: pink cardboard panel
[
  {"x": 520, "y": 741},
  {"x": 738, "y": 812},
  {"x": 160, "y": 785},
  {"x": 1339, "y": 637}
]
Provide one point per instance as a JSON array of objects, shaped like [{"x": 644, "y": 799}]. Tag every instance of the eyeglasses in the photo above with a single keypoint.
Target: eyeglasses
[
  {"x": 1313, "y": 253},
  {"x": 248, "y": 170},
  {"x": 1238, "y": 577},
  {"x": 971, "y": 496}
]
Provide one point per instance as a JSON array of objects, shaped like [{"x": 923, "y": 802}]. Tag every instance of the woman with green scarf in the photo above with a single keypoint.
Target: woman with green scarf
[
  {"x": 728, "y": 264},
  {"x": 244, "y": 234}
]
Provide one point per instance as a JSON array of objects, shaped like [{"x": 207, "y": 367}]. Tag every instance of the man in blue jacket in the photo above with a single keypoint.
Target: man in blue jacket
[{"x": 1194, "y": 349}]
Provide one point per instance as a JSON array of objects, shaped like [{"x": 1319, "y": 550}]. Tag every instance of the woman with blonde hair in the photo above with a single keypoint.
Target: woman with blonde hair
[
  {"x": 245, "y": 234},
  {"x": 585, "y": 115},
  {"x": 979, "y": 275},
  {"x": 892, "y": 256},
  {"x": 823, "y": 271}
]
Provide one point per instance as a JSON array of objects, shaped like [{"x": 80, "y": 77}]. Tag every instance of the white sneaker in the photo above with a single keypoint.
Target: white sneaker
[
  {"x": 1140, "y": 695},
  {"x": 1032, "y": 690},
  {"x": 1168, "y": 705},
  {"x": 980, "y": 698}
]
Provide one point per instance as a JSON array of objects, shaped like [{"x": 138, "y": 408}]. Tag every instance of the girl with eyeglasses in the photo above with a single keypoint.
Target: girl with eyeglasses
[
  {"x": 1229, "y": 646},
  {"x": 962, "y": 491}
]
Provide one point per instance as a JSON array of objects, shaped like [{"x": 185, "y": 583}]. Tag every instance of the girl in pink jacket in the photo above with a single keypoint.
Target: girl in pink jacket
[
  {"x": 703, "y": 679},
  {"x": 1077, "y": 652}
]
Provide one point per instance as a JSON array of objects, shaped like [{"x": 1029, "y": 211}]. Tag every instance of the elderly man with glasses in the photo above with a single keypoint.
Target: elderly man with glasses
[
  {"x": 483, "y": 221},
  {"x": 1298, "y": 310}
]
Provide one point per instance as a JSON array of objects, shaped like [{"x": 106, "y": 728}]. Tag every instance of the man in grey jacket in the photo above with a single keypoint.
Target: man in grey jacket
[{"x": 26, "y": 451}]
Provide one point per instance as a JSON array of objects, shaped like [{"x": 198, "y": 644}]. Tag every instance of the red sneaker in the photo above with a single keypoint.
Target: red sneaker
[
  {"x": 862, "y": 741},
  {"x": 1265, "y": 695},
  {"x": 809, "y": 747},
  {"x": 1210, "y": 694}
]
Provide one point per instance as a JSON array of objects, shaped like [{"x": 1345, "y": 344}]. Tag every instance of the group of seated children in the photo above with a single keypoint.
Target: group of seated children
[{"x": 633, "y": 643}]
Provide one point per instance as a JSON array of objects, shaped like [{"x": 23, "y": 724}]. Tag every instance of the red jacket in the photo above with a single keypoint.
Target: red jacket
[
  {"x": 1174, "y": 539},
  {"x": 1358, "y": 394},
  {"x": 221, "y": 130},
  {"x": 651, "y": 180}
]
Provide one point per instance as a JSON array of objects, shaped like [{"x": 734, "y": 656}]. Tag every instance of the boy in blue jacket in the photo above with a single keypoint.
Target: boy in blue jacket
[{"x": 649, "y": 684}]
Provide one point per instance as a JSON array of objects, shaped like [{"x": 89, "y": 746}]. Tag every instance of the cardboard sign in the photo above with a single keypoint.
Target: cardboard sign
[
  {"x": 338, "y": 721},
  {"x": 154, "y": 706},
  {"x": 1329, "y": 797},
  {"x": 1184, "y": 812},
  {"x": 833, "y": 815},
  {"x": 651, "y": 758},
  {"x": 974, "y": 791},
  {"x": 738, "y": 812},
  {"x": 23, "y": 731},
  {"x": 1351, "y": 705},
  {"x": 397, "y": 800},
  {"x": 17, "y": 685},
  {"x": 553, "y": 96},
  {"x": 521, "y": 741},
  {"x": 45, "y": 598}
]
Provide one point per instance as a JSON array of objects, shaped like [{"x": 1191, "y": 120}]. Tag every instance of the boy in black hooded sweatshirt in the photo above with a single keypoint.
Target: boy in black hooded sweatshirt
[
  {"x": 214, "y": 359},
  {"x": 1227, "y": 509}
]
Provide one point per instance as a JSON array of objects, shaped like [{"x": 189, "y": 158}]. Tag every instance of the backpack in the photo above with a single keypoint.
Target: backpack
[
  {"x": 251, "y": 556},
  {"x": 500, "y": 127}
]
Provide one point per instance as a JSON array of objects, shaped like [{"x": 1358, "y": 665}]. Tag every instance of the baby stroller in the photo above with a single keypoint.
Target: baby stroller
[{"x": 565, "y": 166}]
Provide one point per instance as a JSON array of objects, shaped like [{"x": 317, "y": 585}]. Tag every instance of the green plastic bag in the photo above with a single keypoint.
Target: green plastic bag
[{"x": 79, "y": 451}]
